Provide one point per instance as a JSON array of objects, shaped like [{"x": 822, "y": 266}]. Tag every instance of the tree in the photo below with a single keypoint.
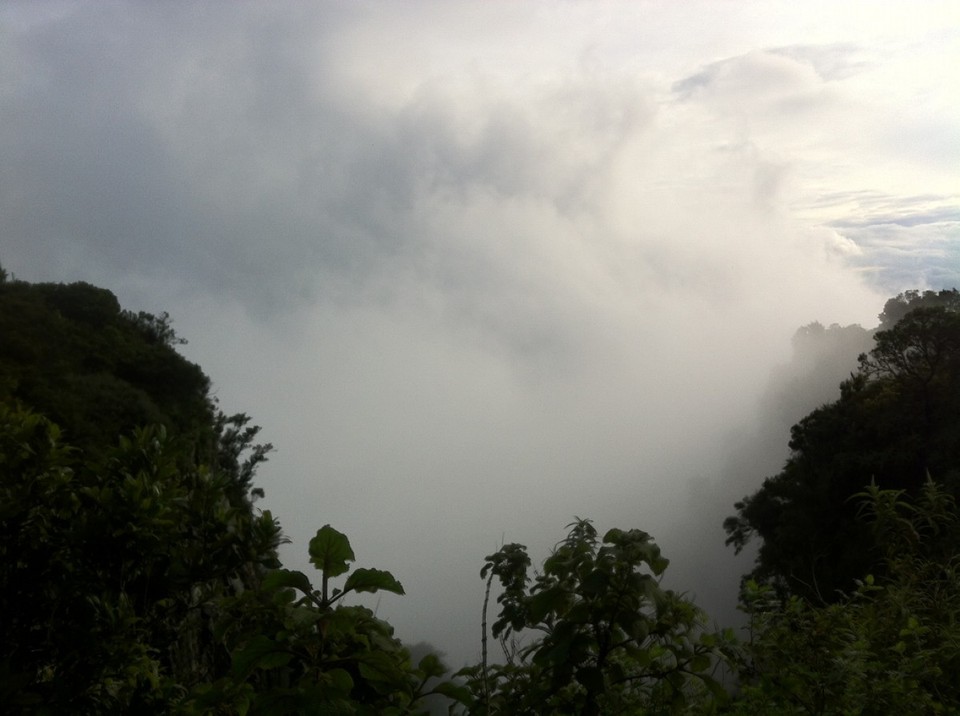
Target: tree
[
  {"x": 897, "y": 420},
  {"x": 127, "y": 504},
  {"x": 891, "y": 645},
  {"x": 301, "y": 650},
  {"x": 71, "y": 353},
  {"x": 111, "y": 569},
  {"x": 918, "y": 361},
  {"x": 898, "y": 307},
  {"x": 136, "y": 576},
  {"x": 132, "y": 586},
  {"x": 609, "y": 638}
]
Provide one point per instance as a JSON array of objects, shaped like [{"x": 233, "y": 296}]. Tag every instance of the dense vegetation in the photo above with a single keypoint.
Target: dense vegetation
[
  {"x": 896, "y": 423},
  {"x": 138, "y": 576}
]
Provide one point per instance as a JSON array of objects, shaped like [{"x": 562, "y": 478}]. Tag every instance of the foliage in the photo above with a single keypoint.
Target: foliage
[
  {"x": 609, "y": 638},
  {"x": 136, "y": 575},
  {"x": 156, "y": 329},
  {"x": 896, "y": 420},
  {"x": 301, "y": 650},
  {"x": 891, "y": 646},
  {"x": 822, "y": 357},
  {"x": 898, "y": 307},
  {"x": 110, "y": 569},
  {"x": 129, "y": 585},
  {"x": 71, "y": 353}
]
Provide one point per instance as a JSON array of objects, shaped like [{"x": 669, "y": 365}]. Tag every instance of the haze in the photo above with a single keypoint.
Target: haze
[{"x": 479, "y": 268}]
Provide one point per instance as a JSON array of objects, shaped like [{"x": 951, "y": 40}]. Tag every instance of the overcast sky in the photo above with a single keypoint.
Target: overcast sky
[{"x": 480, "y": 267}]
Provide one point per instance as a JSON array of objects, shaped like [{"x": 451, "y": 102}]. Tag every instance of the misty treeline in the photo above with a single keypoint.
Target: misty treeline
[{"x": 138, "y": 575}]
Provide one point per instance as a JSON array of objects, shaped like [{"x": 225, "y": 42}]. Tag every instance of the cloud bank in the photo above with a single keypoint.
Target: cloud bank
[{"x": 480, "y": 268}]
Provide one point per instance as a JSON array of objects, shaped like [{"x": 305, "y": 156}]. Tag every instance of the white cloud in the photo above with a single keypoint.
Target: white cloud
[{"x": 477, "y": 269}]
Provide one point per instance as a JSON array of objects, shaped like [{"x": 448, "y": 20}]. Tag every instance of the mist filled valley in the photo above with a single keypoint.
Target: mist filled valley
[
  {"x": 520, "y": 300},
  {"x": 135, "y": 511}
]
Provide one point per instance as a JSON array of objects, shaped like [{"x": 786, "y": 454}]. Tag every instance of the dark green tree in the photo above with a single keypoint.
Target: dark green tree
[
  {"x": 899, "y": 306},
  {"x": 136, "y": 576},
  {"x": 97, "y": 371},
  {"x": 111, "y": 570},
  {"x": 896, "y": 421},
  {"x": 890, "y": 646},
  {"x": 297, "y": 649},
  {"x": 605, "y": 637}
]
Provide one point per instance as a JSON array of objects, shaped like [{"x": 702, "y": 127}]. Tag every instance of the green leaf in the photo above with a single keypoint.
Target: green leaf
[
  {"x": 595, "y": 583},
  {"x": 340, "y": 680},
  {"x": 614, "y": 536},
  {"x": 431, "y": 666},
  {"x": 378, "y": 667},
  {"x": 330, "y": 551},
  {"x": 701, "y": 662},
  {"x": 372, "y": 580},
  {"x": 287, "y": 578},
  {"x": 546, "y": 602},
  {"x": 303, "y": 617},
  {"x": 460, "y": 694},
  {"x": 274, "y": 659},
  {"x": 260, "y": 652},
  {"x": 715, "y": 688}
]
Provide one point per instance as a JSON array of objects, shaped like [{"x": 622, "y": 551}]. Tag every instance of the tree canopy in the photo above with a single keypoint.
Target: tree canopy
[
  {"x": 607, "y": 638},
  {"x": 136, "y": 574},
  {"x": 896, "y": 422},
  {"x": 97, "y": 371}
]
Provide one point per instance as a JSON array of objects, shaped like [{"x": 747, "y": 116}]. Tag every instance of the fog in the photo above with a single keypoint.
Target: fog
[{"x": 480, "y": 269}]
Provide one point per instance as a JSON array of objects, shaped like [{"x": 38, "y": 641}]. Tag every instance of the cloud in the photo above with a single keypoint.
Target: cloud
[
  {"x": 758, "y": 76},
  {"x": 475, "y": 269},
  {"x": 838, "y": 61},
  {"x": 914, "y": 253},
  {"x": 897, "y": 241}
]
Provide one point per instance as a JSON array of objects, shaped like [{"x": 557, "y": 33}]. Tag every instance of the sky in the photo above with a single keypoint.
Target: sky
[{"x": 480, "y": 268}]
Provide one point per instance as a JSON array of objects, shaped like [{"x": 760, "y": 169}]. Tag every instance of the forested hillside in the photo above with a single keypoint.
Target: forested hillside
[
  {"x": 137, "y": 574},
  {"x": 896, "y": 424},
  {"x": 96, "y": 370}
]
